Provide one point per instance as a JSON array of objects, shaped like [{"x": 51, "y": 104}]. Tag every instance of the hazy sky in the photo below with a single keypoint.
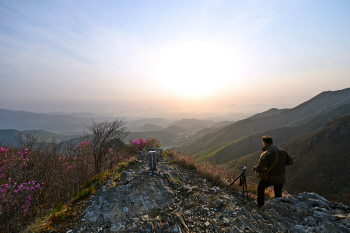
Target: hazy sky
[{"x": 170, "y": 56}]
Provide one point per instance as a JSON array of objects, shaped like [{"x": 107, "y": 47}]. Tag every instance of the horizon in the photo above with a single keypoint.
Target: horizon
[{"x": 203, "y": 58}]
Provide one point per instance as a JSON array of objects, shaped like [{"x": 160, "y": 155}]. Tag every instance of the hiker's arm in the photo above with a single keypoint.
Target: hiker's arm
[
  {"x": 262, "y": 163},
  {"x": 289, "y": 160}
]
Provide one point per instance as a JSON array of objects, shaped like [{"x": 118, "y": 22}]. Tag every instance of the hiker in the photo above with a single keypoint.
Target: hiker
[{"x": 271, "y": 169}]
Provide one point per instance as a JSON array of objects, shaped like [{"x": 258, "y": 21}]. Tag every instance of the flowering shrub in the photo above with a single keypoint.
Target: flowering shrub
[
  {"x": 84, "y": 158},
  {"x": 140, "y": 143},
  {"x": 15, "y": 192},
  {"x": 32, "y": 180}
]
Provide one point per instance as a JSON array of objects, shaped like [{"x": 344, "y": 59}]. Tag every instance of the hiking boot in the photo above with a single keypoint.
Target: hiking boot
[{"x": 257, "y": 205}]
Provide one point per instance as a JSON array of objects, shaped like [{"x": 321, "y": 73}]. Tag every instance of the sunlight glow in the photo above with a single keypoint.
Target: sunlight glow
[{"x": 195, "y": 69}]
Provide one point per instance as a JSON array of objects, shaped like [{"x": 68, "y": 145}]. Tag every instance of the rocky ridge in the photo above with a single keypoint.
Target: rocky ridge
[{"x": 175, "y": 199}]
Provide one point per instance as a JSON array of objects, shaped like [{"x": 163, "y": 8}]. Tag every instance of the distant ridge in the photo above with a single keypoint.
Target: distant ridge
[
  {"x": 299, "y": 115},
  {"x": 8, "y": 136},
  {"x": 237, "y": 148},
  {"x": 150, "y": 127},
  {"x": 61, "y": 124},
  {"x": 175, "y": 129},
  {"x": 193, "y": 123},
  {"x": 267, "y": 113}
]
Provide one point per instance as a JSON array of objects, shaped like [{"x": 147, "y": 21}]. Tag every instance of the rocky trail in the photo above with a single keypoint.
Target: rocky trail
[{"x": 175, "y": 199}]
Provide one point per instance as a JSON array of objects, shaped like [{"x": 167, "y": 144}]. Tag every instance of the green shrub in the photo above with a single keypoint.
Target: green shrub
[
  {"x": 122, "y": 164},
  {"x": 179, "y": 176},
  {"x": 58, "y": 208},
  {"x": 84, "y": 193}
]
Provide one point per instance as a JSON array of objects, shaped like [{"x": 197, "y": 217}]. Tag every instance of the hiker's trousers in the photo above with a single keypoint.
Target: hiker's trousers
[{"x": 263, "y": 184}]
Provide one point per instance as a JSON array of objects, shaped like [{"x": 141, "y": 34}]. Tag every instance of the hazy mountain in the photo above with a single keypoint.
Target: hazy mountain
[
  {"x": 193, "y": 123},
  {"x": 267, "y": 113},
  {"x": 231, "y": 150},
  {"x": 205, "y": 131},
  {"x": 321, "y": 161},
  {"x": 222, "y": 124},
  {"x": 150, "y": 127},
  {"x": 299, "y": 115},
  {"x": 134, "y": 126},
  {"x": 8, "y": 136},
  {"x": 175, "y": 129},
  {"x": 74, "y": 114},
  {"x": 155, "y": 121},
  {"x": 61, "y": 124}
]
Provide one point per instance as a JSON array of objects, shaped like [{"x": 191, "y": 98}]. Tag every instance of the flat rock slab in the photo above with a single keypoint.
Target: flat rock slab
[{"x": 144, "y": 193}]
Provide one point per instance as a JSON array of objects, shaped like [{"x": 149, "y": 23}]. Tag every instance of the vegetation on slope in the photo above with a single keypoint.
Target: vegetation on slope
[
  {"x": 246, "y": 145},
  {"x": 322, "y": 103},
  {"x": 39, "y": 175},
  {"x": 165, "y": 137},
  {"x": 321, "y": 161}
]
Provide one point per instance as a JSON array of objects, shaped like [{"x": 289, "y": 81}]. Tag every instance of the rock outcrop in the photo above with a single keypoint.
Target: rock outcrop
[{"x": 174, "y": 199}]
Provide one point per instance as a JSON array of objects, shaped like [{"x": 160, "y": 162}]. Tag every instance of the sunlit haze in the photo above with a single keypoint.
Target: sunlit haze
[{"x": 165, "y": 58}]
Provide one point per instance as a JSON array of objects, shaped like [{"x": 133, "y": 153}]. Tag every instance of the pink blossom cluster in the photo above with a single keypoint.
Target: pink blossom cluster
[
  {"x": 83, "y": 144},
  {"x": 9, "y": 162},
  {"x": 23, "y": 155},
  {"x": 3, "y": 150},
  {"x": 69, "y": 168},
  {"x": 15, "y": 195},
  {"x": 141, "y": 143}
]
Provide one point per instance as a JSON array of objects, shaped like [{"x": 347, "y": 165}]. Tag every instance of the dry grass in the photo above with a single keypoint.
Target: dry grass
[
  {"x": 217, "y": 174},
  {"x": 185, "y": 161},
  {"x": 207, "y": 170}
]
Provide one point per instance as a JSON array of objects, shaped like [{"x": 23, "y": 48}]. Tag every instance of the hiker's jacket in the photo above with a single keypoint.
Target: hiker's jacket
[{"x": 277, "y": 174}]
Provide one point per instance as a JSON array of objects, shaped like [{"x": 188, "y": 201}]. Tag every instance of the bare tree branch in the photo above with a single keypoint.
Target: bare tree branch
[{"x": 105, "y": 135}]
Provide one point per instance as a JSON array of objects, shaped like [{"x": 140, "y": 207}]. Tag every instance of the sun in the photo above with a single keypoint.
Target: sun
[{"x": 195, "y": 69}]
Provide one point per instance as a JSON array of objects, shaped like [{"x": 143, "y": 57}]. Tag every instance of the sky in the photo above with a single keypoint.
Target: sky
[{"x": 157, "y": 58}]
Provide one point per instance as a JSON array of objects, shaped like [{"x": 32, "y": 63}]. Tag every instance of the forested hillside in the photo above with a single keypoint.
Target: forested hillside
[
  {"x": 323, "y": 104},
  {"x": 321, "y": 161}
]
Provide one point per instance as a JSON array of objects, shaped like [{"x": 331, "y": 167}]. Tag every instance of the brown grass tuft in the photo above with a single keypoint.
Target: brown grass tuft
[
  {"x": 185, "y": 161},
  {"x": 214, "y": 173}
]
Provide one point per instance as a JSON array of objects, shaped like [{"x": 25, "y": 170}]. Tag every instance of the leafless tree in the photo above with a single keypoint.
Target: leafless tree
[
  {"x": 27, "y": 141},
  {"x": 105, "y": 135}
]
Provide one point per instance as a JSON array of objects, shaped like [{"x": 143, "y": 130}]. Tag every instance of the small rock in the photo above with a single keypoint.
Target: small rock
[
  {"x": 164, "y": 226},
  {"x": 158, "y": 227},
  {"x": 219, "y": 204},
  {"x": 176, "y": 229},
  {"x": 149, "y": 226},
  {"x": 297, "y": 229},
  {"x": 225, "y": 221}
]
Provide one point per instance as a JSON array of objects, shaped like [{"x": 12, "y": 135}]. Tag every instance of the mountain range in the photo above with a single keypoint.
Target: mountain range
[
  {"x": 179, "y": 132},
  {"x": 321, "y": 108},
  {"x": 8, "y": 137},
  {"x": 59, "y": 124}
]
